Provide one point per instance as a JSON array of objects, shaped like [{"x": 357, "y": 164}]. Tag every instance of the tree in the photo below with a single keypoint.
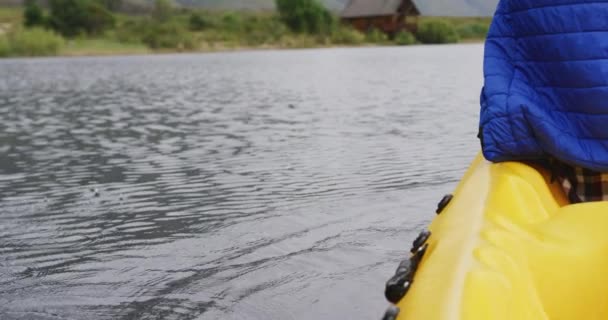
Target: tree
[
  {"x": 306, "y": 16},
  {"x": 99, "y": 18},
  {"x": 72, "y": 17},
  {"x": 33, "y": 15}
]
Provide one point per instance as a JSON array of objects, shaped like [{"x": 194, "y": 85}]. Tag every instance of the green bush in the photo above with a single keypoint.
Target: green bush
[
  {"x": 405, "y": 38},
  {"x": 33, "y": 14},
  {"x": 305, "y": 16},
  {"x": 31, "y": 42},
  {"x": 347, "y": 35},
  {"x": 436, "y": 31},
  {"x": 74, "y": 17},
  {"x": 198, "y": 22},
  {"x": 169, "y": 36},
  {"x": 376, "y": 36},
  {"x": 475, "y": 30}
]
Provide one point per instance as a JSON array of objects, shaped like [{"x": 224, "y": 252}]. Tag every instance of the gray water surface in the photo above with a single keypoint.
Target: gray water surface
[{"x": 251, "y": 185}]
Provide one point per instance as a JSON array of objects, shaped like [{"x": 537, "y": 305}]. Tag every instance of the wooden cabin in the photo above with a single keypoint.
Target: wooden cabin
[{"x": 388, "y": 16}]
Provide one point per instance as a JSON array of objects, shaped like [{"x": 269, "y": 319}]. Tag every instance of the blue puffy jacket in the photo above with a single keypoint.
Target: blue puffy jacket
[{"x": 546, "y": 83}]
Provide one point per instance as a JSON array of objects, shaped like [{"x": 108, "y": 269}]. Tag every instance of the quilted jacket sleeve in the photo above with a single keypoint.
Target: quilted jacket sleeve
[
  {"x": 546, "y": 83},
  {"x": 502, "y": 100}
]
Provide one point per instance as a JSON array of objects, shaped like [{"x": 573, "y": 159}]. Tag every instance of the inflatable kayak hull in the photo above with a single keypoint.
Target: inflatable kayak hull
[{"x": 507, "y": 246}]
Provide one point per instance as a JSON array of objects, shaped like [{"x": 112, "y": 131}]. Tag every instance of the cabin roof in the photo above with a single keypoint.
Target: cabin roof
[{"x": 367, "y": 8}]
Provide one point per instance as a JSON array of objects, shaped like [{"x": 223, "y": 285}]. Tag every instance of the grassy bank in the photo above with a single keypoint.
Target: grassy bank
[{"x": 182, "y": 30}]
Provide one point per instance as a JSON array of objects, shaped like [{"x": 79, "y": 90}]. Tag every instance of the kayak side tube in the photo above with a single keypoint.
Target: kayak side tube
[{"x": 507, "y": 246}]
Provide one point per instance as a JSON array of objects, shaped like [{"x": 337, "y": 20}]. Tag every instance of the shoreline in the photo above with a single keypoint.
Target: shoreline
[
  {"x": 91, "y": 51},
  {"x": 198, "y": 31}
]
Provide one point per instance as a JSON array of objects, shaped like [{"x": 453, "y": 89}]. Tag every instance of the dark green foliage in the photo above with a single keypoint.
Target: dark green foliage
[
  {"x": 305, "y": 16},
  {"x": 99, "y": 18},
  {"x": 74, "y": 17},
  {"x": 33, "y": 14},
  {"x": 405, "y": 38},
  {"x": 198, "y": 22},
  {"x": 436, "y": 31}
]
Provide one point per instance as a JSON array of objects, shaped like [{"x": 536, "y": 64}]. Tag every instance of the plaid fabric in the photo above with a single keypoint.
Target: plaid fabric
[{"x": 583, "y": 185}]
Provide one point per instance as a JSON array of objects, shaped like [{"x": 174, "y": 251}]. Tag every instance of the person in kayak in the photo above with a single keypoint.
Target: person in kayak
[{"x": 545, "y": 94}]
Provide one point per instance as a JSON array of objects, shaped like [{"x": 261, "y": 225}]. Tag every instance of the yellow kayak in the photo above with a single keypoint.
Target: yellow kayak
[{"x": 507, "y": 246}]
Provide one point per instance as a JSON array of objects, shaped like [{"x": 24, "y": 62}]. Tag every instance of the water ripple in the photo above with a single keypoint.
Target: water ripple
[{"x": 258, "y": 185}]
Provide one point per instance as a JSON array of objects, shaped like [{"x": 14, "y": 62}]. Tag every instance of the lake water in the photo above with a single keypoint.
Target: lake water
[{"x": 248, "y": 185}]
